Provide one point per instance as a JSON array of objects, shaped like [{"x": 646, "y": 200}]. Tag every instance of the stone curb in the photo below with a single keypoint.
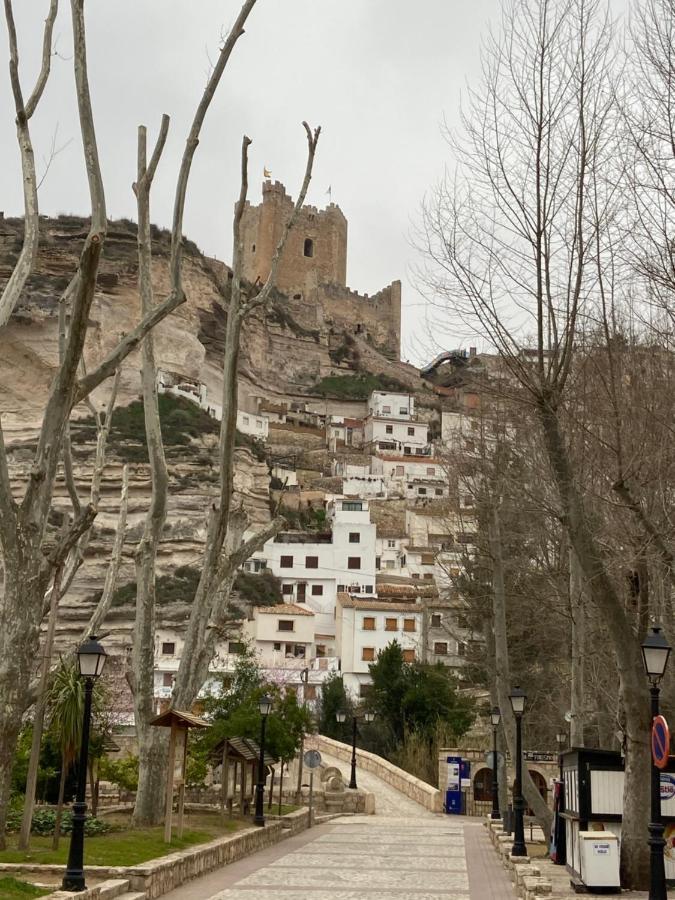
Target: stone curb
[{"x": 526, "y": 875}]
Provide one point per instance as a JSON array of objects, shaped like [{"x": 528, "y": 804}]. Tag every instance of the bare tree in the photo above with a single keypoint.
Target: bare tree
[
  {"x": 513, "y": 248},
  {"x": 225, "y": 547},
  {"x": 30, "y": 555}
]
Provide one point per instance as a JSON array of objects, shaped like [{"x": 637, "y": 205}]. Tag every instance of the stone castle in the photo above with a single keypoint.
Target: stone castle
[{"x": 313, "y": 271}]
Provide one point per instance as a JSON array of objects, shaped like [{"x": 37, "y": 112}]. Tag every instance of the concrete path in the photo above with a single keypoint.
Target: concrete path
[{"x": 403, "y": 852}]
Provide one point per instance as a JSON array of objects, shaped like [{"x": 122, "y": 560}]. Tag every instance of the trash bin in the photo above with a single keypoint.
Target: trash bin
[{"x": 599, "y": 859}]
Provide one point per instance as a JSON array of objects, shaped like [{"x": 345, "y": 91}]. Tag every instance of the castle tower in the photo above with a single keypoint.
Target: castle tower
[{"x": 316, "y": 249}]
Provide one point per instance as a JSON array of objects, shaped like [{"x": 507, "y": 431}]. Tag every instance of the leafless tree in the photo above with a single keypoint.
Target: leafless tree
[
  {"x": 225, "y": 547},
  {"x": 30, "y": 554},
  {"x": 513, "y": 244}
]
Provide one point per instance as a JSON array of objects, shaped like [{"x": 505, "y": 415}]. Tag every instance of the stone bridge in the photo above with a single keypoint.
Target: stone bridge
[{"x": 407, "y": 850}]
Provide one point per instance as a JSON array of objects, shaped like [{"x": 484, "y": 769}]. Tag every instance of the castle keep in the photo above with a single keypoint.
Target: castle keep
[{"x": 313, "y": 270}]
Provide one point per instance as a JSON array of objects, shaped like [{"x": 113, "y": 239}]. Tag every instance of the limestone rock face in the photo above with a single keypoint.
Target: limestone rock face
[{"x": 281, "y": 359}]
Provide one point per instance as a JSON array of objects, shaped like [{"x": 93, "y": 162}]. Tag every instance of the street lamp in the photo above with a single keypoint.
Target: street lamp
[
  {"x": 265, "y": 706},
  {"x": 90, "y": 661},
  {"x": 560, "y": 836},
  {"x": 341, "y": 717},
  {"x": 495, "y": 718},
  {"x": 655, "y": 654},
  {"x": 517, "y": 698}
]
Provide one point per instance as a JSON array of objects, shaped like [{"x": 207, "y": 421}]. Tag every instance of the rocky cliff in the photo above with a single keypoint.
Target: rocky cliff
[{"x": 283, "y": 357}]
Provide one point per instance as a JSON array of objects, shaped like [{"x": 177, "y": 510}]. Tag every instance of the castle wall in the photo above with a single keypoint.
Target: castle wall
[
  {"x": 316, "y": 284},
  {"x": 262, "y": 227}
]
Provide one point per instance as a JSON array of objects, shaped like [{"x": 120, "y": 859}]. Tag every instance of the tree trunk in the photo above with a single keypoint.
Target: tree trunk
[
  {"x": 577, "y": 692},
  {"x": 632, "y": 684},
  {"x": 502, "y": 674},
  {"x": 59, "y": 804}
]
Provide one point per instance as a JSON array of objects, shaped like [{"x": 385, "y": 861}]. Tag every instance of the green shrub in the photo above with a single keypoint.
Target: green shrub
[
  {"x": 356, "y": 387},
  {"x": 44, "y": 821}
]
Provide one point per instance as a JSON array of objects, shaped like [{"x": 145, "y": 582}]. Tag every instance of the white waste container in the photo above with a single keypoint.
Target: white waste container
[{"x": 599, "y": 859}]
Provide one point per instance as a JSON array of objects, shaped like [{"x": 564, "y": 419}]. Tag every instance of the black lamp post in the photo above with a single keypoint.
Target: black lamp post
[
  {"x": 90, "y": 660},
  {"x": 341, "y": 717},
  {"x": 655, "y": 653},
  {"x": 518, "y": 698},
  {"x": 560, "y": 837},
  {"x": 495, "y": 718},
  {"x": 265, "y": 705}
]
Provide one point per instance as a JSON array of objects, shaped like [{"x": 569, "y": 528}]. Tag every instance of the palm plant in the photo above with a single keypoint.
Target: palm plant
[{"x": 66, "y": 709}]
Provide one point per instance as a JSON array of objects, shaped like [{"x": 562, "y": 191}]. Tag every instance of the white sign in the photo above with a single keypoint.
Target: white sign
[
  {"x": 601, "y": 849},
  {"x": 453, "y": 776}
]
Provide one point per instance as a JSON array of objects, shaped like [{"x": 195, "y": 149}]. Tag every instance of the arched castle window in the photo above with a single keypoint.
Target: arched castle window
[
  {"x": 252, "y": 248},
  {"x": 309, "y": 247}
]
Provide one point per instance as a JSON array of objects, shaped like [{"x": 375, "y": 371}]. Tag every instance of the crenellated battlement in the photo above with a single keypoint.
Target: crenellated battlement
[{"x": 313, "y": 268}]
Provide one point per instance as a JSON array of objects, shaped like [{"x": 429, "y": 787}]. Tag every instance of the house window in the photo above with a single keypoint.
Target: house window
[
  {"x": 235, "y": 647},
  {"x": 277, "y": 645},
  {"x": 354, "y": 537},
  {"x": 320, "y": 651},
  {"x": 428, "y": 576},
  {"x": 353, "y": 562},
  {"x": 391, "y": 544},
  {"x": 311, "y": 562},
  {"x": 378, "y": 562},
  {"x": 421, "y": 491},
  {"x": 407, "y": 451},
  {"x": 436, "y": 620},
  {"x": 431, "y": 470},
  {"x": 389, "y": 429},
  {"x": 391, "y": 624},
  {"x": 167, "y": 679},
  {"x": 386, "y": 409},
  {"x": 409, "y": 656},
  {"x": 441, "y": 648},
  {"x": 415, "y": 575},
  {"x": 399, "y": 470},
  {"x": 368, "y": 654},
  {"x": 309, "y": 692},
  {"x": 403, "y": 560},
  {"x": 245, "y": 420},
  {"x": 286, "y": 562},
  {"x": 317, "y": 590},
  {"x": 341, "y": 588},
  {"x": 285, "y": 625},
  {"x": 168, "y": 648},
  {"x": 409, "y": 625},
  {"x": 366, "y": 589},
  {"x": 369, "y": 623},
  {"x": 427, "y": 559},
  {"x": 461, "y": 649},
  {"x": 411, "y": 432},
  {"x": 352, "y": 505},
  {"x": 308, "y": 249},
  {"x": 390, "y": 564},
  {"x": 287, "y": 589},
  {"x": 403, "y": 411},
  {"x": 439, "y": 492},
  {"x": 468, "y": 500}
]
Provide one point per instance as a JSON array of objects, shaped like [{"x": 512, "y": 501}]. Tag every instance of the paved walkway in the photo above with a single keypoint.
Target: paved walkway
[{"x": 403, "y": 852}]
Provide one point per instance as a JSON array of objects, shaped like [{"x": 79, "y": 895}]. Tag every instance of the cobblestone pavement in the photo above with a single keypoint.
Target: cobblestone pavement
[{"x": 402, "y": 852}]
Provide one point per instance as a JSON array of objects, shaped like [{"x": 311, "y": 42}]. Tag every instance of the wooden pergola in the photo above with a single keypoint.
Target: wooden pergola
[
  {"x": 179, "y": 723},
  {"x": 244, "y": 754}
]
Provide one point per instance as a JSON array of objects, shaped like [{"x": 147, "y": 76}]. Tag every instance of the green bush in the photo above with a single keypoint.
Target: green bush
[
  {"x": 44, "y": 821},
  {"x": 356, "y": 387}
]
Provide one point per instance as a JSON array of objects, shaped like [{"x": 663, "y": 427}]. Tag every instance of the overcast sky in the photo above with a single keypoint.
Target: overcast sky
[{"x": 379, "y": 76}]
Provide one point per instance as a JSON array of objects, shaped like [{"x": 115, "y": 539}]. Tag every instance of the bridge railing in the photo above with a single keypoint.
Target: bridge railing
[{"x": 427, "y": 796}]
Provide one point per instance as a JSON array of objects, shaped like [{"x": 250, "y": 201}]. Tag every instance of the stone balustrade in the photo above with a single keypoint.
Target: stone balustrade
[{"x": 427, "y": 796}]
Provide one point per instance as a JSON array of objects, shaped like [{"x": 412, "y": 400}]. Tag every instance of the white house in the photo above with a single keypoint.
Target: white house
[
  {"x": 404, "y": 437},
  {"x": 390, "y": 553},
  {"x": 250, "y": 423},
  {"x": 412, "y": 477},
  {"x": 391, "y": 405},
  {"x": 365, "y": 627},
  {"x": 282, "y": 632},
  {"x": 314, "y": 566}
]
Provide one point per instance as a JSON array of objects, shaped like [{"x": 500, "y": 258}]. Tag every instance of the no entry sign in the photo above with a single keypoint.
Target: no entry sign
[{"x": 660, "y": 742}]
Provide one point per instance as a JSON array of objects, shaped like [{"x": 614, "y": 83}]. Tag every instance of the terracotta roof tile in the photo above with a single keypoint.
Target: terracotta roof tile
[{"x": 286, "y": 609}]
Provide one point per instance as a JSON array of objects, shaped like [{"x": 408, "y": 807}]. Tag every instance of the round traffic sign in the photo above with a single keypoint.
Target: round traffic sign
[
  {"x": 312, "y": 759},
  {"x": 660, "y": 742}
]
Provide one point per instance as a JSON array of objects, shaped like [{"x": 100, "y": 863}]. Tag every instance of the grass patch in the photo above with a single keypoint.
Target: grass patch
[
  {"x": 356, "y": 387},
  {"x": 181, "y": 420},
  {"x": 123, "y": 846},
  {"x": 13, "y": 889}
]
